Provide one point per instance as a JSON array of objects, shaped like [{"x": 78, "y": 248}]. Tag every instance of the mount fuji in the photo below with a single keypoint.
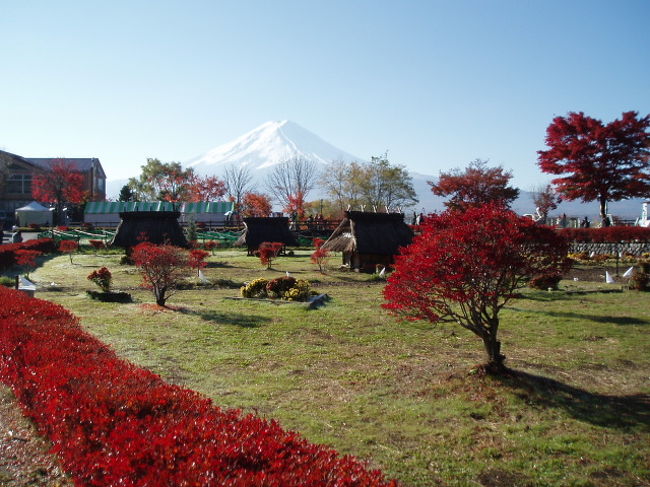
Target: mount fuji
[{"x": 266, "y": 146}]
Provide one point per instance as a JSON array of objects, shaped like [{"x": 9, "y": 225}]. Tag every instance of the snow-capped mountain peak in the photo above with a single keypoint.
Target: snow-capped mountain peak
[{"x": 267, "y": 145}]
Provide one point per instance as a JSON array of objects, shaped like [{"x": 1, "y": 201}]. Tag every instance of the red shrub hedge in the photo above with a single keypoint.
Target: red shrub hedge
[
  {"x": 112, "y": 423},
  {"x": 606, "y": 234},
  {"x": 8, "y": 251}
]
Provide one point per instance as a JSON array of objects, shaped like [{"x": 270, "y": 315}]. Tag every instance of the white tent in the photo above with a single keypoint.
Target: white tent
[{"x": 34, "y": 213}]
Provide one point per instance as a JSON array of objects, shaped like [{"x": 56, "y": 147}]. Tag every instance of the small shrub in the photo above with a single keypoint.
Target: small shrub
[
  {"x": 7, "y": 281},
  {"x": 640, "y": 280},
  {"x": 299, "y": 292},
  {"x": 97, "y": 244},
  {"x": 268, "y": 251},
  {"x": 546, "y": 281},
  {"x": 276, "y": 288},
  {"x": 197, "y": 259},
  {"x": 321, "y": 258},
  {"x": 102, "y": 277},
  {"x": 162, "y": 267},
  {"x": 255, "y": 289},
  {"x": 68, "y": 247},
  {"x": 210, "y": 245}
]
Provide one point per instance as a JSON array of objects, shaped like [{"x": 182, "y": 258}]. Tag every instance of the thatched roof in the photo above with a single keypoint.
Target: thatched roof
[
  {"x": 258, "y": 230},
  {"x": 157, "y": 226},
  {"x": 370, "y": 233}
]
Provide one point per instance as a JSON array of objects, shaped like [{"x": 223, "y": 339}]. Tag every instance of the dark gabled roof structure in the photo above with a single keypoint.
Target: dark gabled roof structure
[
  {"x": 370, "y": 233},
  {"x": 158, "y": 227},
  {"x": 271, "y": 229}
]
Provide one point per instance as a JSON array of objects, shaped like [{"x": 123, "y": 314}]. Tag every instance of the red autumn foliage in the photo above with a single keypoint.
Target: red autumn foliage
[
  {"x": 256, "y": 205},
  {"x": 268, "y": 251},
  {"x": 112, "y": 423},
  {"x": 205, "y": 188},
  {"x": 97, "y": 244},
  {"x": 465, "y": 266},
  {"x": 296, "y": 205},
  {"x": 197, "y": 259},
  {"x": 27, "y": 258},
  {"x": 161, "y": 267},
  {"x": 606, "y": 234},
  {"x": 68, "y": 247},
  {"x": 63, "y": 183},
  {"x": 8, "y": 251},
  {"x": 597, "y": 161},
  {"x": 210, "y": 245},
  {"x": 321, "y": 257},
  {"x": 477, "y": 185},
  {"x": 102, "y": 277}
]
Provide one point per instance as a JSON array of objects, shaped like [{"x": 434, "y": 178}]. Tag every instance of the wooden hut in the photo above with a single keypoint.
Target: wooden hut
[
  {"x": 157, "y": 227},
  {"x": 369, "y": 239},
  {"x": 271, "y": 229}
]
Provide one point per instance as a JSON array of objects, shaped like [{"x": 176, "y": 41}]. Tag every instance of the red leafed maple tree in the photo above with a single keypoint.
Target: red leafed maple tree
[
  {"x": 597, "y": 161},
  {"x": 321, "y": 257},
  {"x": 68, "y": 247},
  {"x": 197, "y": 259},
  {"x": 161, "y": 267},
  {"x": 210, "y": 245},
  {"x": 268, "y": 251},
  {"x": 466, "y": 266},
  {"x": 256, "y": 205},
  {"x": 207, "y": 188},
  {"x": 63, "y": 183},
  {"x": 296, "y": 205},
  {"x": 475, "y": 186},
  {"x": 27, "y": 258}
]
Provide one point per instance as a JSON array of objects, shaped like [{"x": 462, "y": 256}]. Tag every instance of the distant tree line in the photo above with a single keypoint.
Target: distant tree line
[{"x": 594, "y": 161}]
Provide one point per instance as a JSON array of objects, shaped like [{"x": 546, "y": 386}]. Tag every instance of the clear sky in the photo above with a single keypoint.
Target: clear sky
[{"x": 437, "y": 83}]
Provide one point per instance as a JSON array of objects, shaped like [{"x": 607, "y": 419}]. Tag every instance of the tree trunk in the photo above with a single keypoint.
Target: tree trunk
[
  {"x": 493, "y": 349},
  {"x": 160, "y": 296},
  {"x": 603, "y": 212}
]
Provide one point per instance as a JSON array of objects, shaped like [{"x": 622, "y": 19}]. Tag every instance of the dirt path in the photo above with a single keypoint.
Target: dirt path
[{"x": 24, "y": 460}]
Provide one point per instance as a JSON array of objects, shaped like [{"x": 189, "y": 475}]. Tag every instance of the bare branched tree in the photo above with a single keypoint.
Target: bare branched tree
[
  {"x": 293, "y": 177},
  {"x": 238, "y": 182}
]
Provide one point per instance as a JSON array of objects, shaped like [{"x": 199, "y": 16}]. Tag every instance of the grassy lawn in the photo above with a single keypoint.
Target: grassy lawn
[{"x": 576, "y": 411}]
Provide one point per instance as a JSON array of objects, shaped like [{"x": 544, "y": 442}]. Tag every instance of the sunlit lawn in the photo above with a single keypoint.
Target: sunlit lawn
[{"x": 400, "y": 395}]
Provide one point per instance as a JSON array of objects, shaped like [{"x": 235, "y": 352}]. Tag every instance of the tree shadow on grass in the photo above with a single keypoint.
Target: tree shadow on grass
[
  {"x": 237, "y": 319},
  {"x": 615, "y": 320},
  {"x": 620, "y": 412}
]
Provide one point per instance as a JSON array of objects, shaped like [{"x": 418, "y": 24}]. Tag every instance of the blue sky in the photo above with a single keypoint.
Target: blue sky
[{"x": 436, "y": 83}]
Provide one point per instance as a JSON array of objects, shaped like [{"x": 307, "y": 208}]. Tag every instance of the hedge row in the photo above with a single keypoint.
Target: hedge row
[
  {"x": 113, "y": 423},
  {"x": 8, "y": 251},
  {"x": 607, "y": 234}
]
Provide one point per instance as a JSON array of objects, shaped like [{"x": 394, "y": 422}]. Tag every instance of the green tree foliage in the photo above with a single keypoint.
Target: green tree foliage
[
  {"x": 161, "y": 181},
  {"x": 126, "y": 194},
  {"x": 374, "y": 185}
]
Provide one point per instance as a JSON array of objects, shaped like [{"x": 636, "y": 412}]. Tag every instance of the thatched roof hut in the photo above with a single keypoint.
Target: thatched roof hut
[
  {"x": 157, "y": 227},
  {"x": 369, "y": 239},
  {"x": 271, "y": 229}
]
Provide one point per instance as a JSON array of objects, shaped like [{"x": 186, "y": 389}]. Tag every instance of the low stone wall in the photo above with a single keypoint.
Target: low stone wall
[{"x": 600, "y": 248}]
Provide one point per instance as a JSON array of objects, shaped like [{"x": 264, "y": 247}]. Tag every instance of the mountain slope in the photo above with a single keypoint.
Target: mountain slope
[{"x": 267, "y": 145}]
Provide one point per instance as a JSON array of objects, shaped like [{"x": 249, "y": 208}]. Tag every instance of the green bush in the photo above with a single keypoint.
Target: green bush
[{"x": 7, "y": 281}]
